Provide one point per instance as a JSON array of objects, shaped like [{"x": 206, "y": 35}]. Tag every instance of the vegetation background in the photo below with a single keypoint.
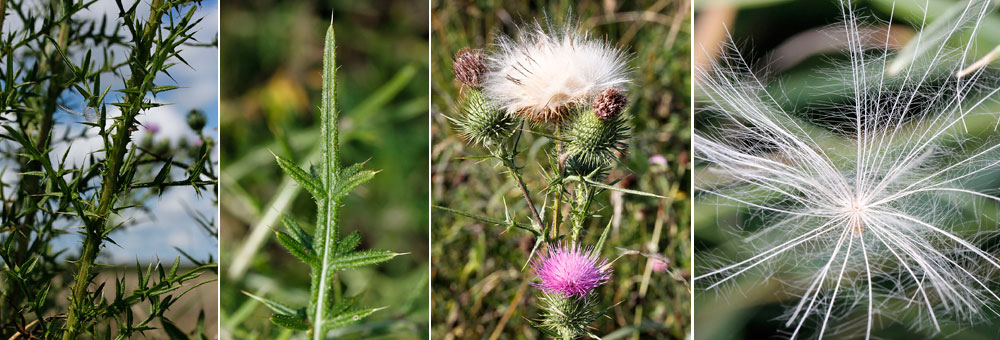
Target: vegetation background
[
  {"x": 271, "y": 76},
  {"x": 479, "y": 289},
  {"x": 769, "y": 34}
]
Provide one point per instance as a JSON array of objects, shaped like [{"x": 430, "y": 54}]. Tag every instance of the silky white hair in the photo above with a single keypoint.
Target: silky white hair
[
  {"x": 543, "y": 71},
  {"x": 871, "y": 206}
]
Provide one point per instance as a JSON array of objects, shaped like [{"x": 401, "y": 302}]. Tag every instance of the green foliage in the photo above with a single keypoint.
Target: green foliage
[
  {"x": 57, "y": 56},
  {"x": 327, "y": 255}
]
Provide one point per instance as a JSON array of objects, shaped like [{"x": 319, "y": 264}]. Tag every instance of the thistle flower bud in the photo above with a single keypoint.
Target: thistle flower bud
[
  {"x": 469, "y": 66},
  {"x": 153, "y": 128},
  {"x": 196, "y": 120},
  {"x": 570, "y": 318},
  {"x": 483, "y": 122},
  {"x": 609, "y": 104},
  {"x": 594, "y": 143}
]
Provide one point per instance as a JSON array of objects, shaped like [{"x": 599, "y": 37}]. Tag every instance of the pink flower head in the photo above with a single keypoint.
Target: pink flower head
[
  {"x": 570, "y": 270},
  {"x": 660, "y": 265},
  {"x": 152, "y": 127},
  {"x": 658, "y": 159}
]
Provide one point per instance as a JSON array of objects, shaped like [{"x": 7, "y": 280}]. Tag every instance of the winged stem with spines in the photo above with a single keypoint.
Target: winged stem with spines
[{"x": 324, "y": 252}]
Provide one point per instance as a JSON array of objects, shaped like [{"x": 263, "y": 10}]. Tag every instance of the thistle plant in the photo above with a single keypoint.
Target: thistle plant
[
  {"x": 54, "y": 59},
  {"x": 556, "y": 82},
  {"x": 324, "y": 250},
  {"x": 880, "y": 206}
]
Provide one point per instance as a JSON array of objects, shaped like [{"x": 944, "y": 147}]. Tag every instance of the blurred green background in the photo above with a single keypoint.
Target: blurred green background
[
  {"x": 479, "y": 290},
  {"x": 786, "y": 37},
  {"x": 271, "y": 77}
]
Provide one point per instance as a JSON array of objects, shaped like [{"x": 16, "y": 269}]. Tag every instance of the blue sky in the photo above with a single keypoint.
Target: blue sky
[{"x": 171, "y": 224}]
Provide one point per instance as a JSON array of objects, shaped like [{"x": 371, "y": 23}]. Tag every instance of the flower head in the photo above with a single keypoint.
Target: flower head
[
  {"x": 660, "y": 265},
  {"x": 482, "y": 122},
  {"x": 594, "y": 144},
  {"x": 543, "y": 73},
  {"x": 570, "y": 270},
  {"x": 658, "y": 159},
  {"x": 469, "y": 66},
  {"x": 609, "y": 104}
]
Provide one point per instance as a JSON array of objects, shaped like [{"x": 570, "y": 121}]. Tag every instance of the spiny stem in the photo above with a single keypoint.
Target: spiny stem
[
  {"x": 580, "y": 207},
  {"x": 507, "y": 158},
  {"x": 516, "y": 175},
  {"x": 558, "y": 202}
]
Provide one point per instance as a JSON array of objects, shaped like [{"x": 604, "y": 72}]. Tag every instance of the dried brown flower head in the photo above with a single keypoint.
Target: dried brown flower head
[
  {"x": 609, "y": 104},
  {"x": 470, "y": 66}
]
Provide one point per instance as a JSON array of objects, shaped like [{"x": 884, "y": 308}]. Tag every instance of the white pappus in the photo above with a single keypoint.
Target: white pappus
[
  {"x": 872, "y": 208},
  {"x": 543, "y": 72}
]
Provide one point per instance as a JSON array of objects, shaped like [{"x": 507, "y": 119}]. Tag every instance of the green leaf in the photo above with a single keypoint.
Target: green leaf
[
  {"x": 296, "y": 231},
  {"x": 360, "y": 258},
  {"x": 614, "y": 188},
  {"x": 307, "y": 181},
  {"x": 172, "y": 331},
  {"x": 604, "y": 237},
  {"x": 348, "y": 181},
  {"x": 276, "y": 307},
  {"x": 291, "y": 322},
  {"x": 165, "y": 88},
  {"x": 350, "y": 316},
  {"x": 298, "y": 249},
  {"x": 348, "y": 243}
]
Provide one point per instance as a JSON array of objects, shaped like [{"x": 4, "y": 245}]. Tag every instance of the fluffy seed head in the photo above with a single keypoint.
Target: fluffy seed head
[
  {"x": 570, "y": 270},
  {"x": 469, "y": 66},
  {"x": 876, "y": 206},
  {"x": 543, "y": 73},
  {"x": 609, "y": 104}
]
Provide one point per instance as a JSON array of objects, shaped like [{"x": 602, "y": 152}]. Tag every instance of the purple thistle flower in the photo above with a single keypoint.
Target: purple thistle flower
[
  {"x": 660, "y": 265},
  {"x": 570, "y": 270},
  {"x": 658, "y": 159}
]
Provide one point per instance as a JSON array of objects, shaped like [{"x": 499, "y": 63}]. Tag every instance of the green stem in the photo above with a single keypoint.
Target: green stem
[
  {"x": 507, "y": 158},
  {"x": 91, "y": 246},
  {"x": 516, "y": 175},
  {"x": 558, "y": 202},
  {"x": 581, "y": 204}
]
